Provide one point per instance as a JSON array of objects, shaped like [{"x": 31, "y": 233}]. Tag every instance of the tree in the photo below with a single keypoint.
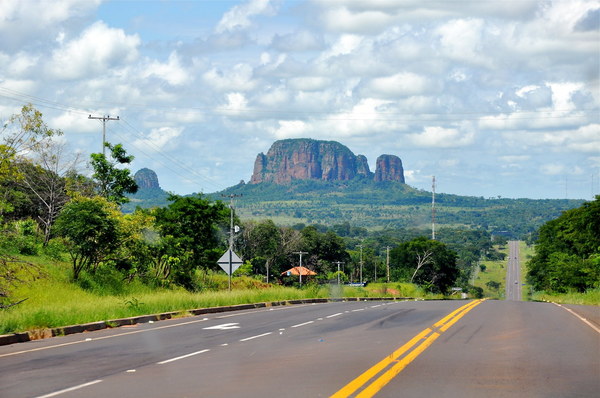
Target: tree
[
  {"x": 430, "y": 263},
  {"x": 568, "y": 251},
  {"x": 261, "y": 243},
  {"x": 46, "y": 177},
  {"x": 191, "y": 228},
  {"x": 113, "y": 182},
  {"x": 22, "y": 133},
  {"x": 91, "y": 231}
]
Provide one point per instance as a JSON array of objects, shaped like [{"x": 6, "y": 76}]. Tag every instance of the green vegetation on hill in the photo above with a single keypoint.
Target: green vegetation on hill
[{"x": 390, "y": 205}]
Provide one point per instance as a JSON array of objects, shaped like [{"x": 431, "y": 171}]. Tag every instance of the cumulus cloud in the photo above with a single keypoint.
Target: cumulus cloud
[
  {"x": 26, "y": 23},
  {"x": 97, "y": 49},
  {"x": 239, "y": 17},
  {"x": 238, "y": 77},
  {"x": 297, "y": 42},
  {"x": 441, "y": 137},
  {"x": 403, "y": 84},
  {"x": 172, "y": 71},
  {"x": 159, "y": 139}
]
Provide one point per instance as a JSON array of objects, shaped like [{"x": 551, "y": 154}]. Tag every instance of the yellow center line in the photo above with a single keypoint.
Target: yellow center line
[{"x": 428, "y": 335}]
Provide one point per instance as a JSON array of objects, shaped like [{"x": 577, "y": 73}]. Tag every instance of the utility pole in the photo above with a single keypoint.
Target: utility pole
[
  {"x": 231, "y": 232},
  {"x": 361, "y": 263},
  {"x": 300, "y": 270},
  {"x": 433, "y": 209},
  {"x": 338, "y": 271},
  {"x": 104, "y": 120},
  {"x": 387, "y": 263}
]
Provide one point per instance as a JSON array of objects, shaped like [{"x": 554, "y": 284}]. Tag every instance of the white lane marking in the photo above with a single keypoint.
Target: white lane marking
[
  {"x": 334, "y": 315},
  {"x": 360, "y": 309},
  {"x": 302, "y": 324},
  {"x": 580, "y": 317},
  {"x": 182, "y": 357},
  {"x": 257, "y": 336},
  {"x": 375, "y": 306},
  {"x": 54, "y": 394},
  {"x": 102, "y": 338},
  {"x": 224, "y": 326}
]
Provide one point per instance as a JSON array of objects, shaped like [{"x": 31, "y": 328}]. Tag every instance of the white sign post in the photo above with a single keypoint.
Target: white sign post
[{"x": 230, "y": 262}]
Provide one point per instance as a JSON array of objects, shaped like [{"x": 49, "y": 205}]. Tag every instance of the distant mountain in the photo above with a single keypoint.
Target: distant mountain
[
  {"x": 308, "y": 159},
  {"x": 149, "y": 193},
  {"x": 146, "y": 179}
]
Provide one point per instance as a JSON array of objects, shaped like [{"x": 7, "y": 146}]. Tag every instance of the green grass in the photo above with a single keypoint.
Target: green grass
[
  {"x": 54, "y": 301},
  {"x": 494, "y": 271},
  {"x": 590, "y": 297}
]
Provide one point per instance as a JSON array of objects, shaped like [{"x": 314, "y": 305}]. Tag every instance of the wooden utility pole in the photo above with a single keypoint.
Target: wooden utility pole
[{"x": 104, "y": 120}]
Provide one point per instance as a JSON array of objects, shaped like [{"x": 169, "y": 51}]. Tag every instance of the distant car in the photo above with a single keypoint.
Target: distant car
[{"x": 516, "y": 282}]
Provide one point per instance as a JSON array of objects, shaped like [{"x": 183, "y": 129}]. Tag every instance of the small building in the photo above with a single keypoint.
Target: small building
[{"x": 298, "y": 271}]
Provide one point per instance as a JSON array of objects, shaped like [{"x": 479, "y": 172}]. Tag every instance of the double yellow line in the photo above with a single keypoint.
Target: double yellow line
[{"x": 386, "y": 369}]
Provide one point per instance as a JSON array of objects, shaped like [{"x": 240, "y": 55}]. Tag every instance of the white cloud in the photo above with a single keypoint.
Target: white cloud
[
  {"x": 403, "y": 84},
  {"x": 290, "y": 129},
  {"x": 552, "y": 169},
  {"x": 23, "y": 23},
  {"x": 462, "y": 39},
  {"x": 159, "y": 139},
  {"x": 297, "y": 41},
  {"x": 440, "y": 137},
  {"x": 96, "y": 50},
  {"x": 238, "y": 77},
  {"x": 172, "y": 71},
  {"x": 239, "y": 16},
  {"x": 342, "y": 19}
]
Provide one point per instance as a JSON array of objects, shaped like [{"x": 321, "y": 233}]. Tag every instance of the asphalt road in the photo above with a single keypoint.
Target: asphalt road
[
  {"x": 383, "y": 349},
  {"x": 513, "y": 272}
]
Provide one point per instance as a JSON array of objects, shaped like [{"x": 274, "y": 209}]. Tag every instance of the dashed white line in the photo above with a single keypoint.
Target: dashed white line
[
  {"x": 303, "y": 324},
  {"x": 54, "y": 394},
  {"x": 360, "y": 309},
  {"x": 257, "y": 336},
  {"x": 182, "y": 357},
  {"x": 334, "y": 315}
]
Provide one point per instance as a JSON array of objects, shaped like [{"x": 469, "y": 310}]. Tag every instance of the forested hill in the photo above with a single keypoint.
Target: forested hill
[{"x": 389, "y": 204}]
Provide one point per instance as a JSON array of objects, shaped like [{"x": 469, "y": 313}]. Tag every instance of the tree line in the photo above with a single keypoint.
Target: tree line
[{"x": 567, "y": 254}]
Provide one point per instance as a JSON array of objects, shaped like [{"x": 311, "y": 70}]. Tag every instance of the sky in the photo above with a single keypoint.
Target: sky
[{"x": 493, "y": 98}]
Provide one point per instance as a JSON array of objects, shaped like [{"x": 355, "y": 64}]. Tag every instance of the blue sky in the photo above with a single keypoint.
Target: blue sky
[{"x": 494, "y": 98}]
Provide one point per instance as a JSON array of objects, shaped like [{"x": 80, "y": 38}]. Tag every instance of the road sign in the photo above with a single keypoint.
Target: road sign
[{"x": 235, "y": 261}]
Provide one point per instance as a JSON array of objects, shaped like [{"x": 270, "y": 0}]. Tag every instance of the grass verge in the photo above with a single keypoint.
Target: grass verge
[
  {"x": 590, "y": 297},
  {"x": 54, "y": 301}
]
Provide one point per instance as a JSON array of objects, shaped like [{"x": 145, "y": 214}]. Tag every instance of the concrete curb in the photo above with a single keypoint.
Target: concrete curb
[{"x": 37, "y": 334}]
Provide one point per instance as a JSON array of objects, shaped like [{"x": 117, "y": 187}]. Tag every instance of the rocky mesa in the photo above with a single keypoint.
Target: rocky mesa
[{"x": 308, "y": 159}]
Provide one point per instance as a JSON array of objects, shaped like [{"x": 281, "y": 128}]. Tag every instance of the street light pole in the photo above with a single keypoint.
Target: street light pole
[
  {"x": 361, "y": 263},
  {"x": 338, "y": 270},
  {"x": 300, "y": 270}
]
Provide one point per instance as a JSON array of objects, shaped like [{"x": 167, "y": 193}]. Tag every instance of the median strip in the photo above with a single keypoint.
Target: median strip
[{"x": 376, "y": 377}]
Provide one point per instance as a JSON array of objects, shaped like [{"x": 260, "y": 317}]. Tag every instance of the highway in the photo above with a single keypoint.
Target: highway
[
  {"x": 458, "y": 348},
  {"x": 513, "y": 272}
]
